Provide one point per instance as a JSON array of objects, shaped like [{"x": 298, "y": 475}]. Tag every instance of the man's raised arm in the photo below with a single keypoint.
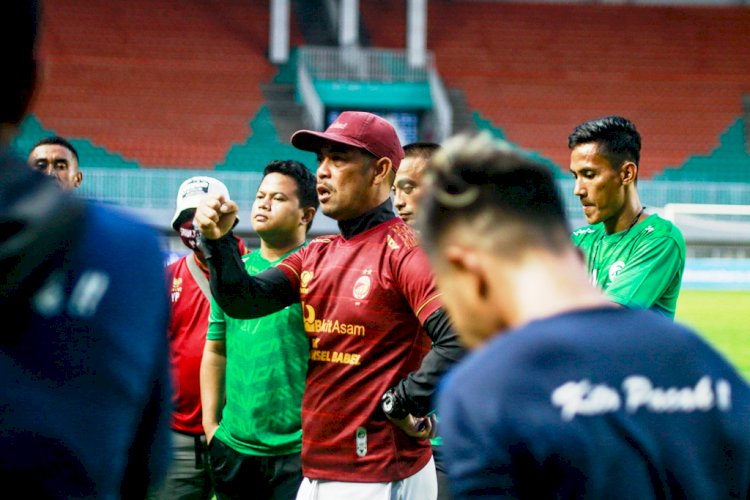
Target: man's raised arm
[{"x": 239, "y": 294}]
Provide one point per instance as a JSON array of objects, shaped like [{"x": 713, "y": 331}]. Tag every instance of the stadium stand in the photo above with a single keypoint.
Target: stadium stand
[
  {"x": 536, "y": 70},
  {"x": 171, "y": 84},
  {"x": 729, "y": 162},
  {"x": 179, "y": 84}
]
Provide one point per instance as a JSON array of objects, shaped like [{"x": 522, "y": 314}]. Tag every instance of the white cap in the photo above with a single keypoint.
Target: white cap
[{"x": 192, "y": 191}]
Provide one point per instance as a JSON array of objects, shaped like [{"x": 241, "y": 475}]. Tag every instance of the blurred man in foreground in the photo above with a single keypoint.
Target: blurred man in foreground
[
  {"x": 566, "y": 395},
  {"x": 83, "y": 354}
]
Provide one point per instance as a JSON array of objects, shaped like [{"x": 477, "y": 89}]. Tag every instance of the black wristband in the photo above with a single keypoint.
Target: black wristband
[{"x": 392, "y": 405}]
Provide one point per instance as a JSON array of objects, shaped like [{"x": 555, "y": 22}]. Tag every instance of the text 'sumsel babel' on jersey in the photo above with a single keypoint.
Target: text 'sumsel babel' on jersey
[{"x": 364, "y": 302}]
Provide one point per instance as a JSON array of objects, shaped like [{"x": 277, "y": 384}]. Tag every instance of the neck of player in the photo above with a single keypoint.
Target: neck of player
[
  {"x": 632, "y": 213},
  {"x": 275, "y": 246},
  {"x": 566, "y": 287}
]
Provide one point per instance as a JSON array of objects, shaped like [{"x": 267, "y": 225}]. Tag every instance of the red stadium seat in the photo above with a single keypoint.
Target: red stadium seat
[
  {"x": 537, "y": 70},
  {"x": 172, "y": 83}
]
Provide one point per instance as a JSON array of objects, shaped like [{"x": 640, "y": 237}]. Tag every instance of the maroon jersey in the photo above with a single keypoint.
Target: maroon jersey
[
  {"x": 364, "y": 301},
  {"x": 187, "y": 335},
  {"x": 188, "y": 325}
]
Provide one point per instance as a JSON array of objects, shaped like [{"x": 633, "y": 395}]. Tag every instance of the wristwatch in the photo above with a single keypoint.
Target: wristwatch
[{"x": 392, "y": 405}]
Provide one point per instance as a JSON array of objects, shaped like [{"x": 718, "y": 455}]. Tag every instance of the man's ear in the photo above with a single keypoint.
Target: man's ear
[
  {"x": 307, "y": 215},
  {"x": 79, "y": 178},
  {"x": 469, "y": 263},
  {"x": 383, "y": 172},
  {"x": 629, "y": 172}
]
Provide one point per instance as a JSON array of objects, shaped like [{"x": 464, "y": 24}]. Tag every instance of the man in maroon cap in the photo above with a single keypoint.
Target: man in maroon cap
[{"x": 379, "y": 339}]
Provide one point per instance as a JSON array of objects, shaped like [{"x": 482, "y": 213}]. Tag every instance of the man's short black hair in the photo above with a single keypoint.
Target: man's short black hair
[
  {"x": 505, "y": 197},
  {"x": 617, "y": 137},
  {"x": 305, "y": 180},
  {"x": 423, "y": 150},
  {"x": 56, "y": 140}
]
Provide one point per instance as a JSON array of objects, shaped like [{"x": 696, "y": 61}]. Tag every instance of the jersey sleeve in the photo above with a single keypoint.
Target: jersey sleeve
[
  {"x": 240, "y": 295},
  {"x": 417, "y": 281},
  {"x": 292, "y": 267},
  {"x": 649, "y": 272},
  {"x": 217, "y": 323}
]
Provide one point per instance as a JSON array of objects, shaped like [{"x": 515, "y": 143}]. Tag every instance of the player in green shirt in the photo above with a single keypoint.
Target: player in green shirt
[
  {"x": 637, "y": 259},
  {"x": 253, "y": 370}
]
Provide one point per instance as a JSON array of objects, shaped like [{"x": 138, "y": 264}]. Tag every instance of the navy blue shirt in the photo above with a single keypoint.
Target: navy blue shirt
[
  {"x": 84, "y": 399},
  {"x": 604, "y": 403}
]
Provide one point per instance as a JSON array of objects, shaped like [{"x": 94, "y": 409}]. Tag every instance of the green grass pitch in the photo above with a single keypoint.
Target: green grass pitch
[{"x": 722, "y": 318}]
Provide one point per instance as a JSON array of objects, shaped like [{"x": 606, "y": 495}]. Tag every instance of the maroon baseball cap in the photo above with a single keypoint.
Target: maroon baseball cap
[{"x": 359, "y": 129}]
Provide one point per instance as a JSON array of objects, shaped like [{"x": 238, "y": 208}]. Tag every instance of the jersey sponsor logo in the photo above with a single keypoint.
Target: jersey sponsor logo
[
  {"x": 614, "y": 269},
  {"x": 176, "y": 289},
  {"x": 344, "y": 358},
  {"x": 304, "y": 280},
  {"x": 315, "y": 325},
  {"x": 360, "y": 440},
  {"x": 582, "y": 231},
  {"x": 362, "y": 285},
  {"x": 638, "y": 393}
]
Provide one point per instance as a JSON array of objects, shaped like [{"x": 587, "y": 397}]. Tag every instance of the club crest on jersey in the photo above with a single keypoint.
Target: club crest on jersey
[
  {"x": 614, "y": 269},
  {"x": 304, "y": 280},
  {"x": 176, "y": 289},
  {"x": 362, "y": 285}
]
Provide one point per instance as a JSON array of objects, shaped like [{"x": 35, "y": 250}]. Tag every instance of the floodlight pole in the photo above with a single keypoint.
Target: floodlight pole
[
  {"x": 416, "y": 33},
  {"x": 278, "y": 45},
  {"x": 349, "y": 23}
]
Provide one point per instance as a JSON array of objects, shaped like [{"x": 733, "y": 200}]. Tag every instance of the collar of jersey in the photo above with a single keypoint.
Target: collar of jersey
[{"x": 352, "y": 227}]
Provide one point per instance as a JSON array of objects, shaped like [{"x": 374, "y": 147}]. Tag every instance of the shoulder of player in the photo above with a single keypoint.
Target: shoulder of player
[
  {"x": 499, "y": 367},
  {"x": 401, "y": 237},
  {"x": 320, "y": 241},
  {"x": 585, "y": 232},
  {"x": 654, "y": 227},
  {"x": 178, "y": 265},
  {"x": 245, "y": 257}
]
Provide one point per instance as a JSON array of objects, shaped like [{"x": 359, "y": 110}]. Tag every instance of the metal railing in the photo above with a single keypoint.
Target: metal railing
[
  {"x": 157, "y": 188},
  {"x": 361, "y": 64},
  {"x": 367, "y": 65}
]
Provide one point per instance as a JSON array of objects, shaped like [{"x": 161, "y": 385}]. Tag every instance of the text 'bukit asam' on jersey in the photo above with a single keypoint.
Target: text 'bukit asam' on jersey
[{"x": 364, "y": 302}]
